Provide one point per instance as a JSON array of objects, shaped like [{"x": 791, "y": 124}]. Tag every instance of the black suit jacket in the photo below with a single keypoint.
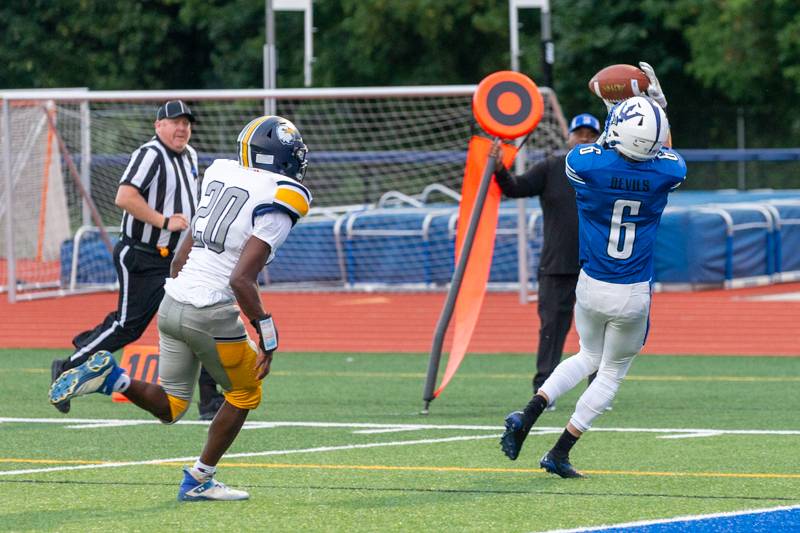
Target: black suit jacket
[{"x": 547, "y": 179}]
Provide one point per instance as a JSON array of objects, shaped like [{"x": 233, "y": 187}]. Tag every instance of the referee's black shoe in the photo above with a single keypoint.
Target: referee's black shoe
[
  {"x": 56, "y": 368},
  {"x": 208, "y": 407}
]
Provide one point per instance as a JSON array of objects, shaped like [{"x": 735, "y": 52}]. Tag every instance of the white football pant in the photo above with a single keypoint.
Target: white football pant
[{"x": 612, "y": 321}]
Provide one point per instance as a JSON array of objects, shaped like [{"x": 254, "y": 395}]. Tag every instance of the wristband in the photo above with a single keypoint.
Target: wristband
[
  {"x": 166, "y": 223},
  {"x": 267, "y": 334}
]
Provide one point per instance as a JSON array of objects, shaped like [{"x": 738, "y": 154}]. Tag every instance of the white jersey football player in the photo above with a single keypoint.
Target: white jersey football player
[
  {"x": 245, "y": 212},
  {"x": 621, "y": 190}
]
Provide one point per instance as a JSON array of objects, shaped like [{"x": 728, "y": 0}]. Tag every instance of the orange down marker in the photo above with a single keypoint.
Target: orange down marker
[
  {"x": 507, "y": 105},
  {"x": 141, "y": 362}
]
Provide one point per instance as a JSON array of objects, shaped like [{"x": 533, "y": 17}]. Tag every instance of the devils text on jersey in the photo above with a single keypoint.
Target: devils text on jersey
[{"x": 619, "y": 207}]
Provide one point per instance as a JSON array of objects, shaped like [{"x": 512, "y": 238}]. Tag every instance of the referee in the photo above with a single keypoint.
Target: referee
[
  {"x": 558, "y": 266},
  {"x": 157, "y": 193}
]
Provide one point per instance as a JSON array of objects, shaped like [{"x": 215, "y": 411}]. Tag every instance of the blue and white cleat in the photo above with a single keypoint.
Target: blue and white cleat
[
  {"x": 96, "y": 374},
  {"x": 559, "y": 467},
  {"x": 514, "y": 435},
  {"x": 193, "y": 490}
]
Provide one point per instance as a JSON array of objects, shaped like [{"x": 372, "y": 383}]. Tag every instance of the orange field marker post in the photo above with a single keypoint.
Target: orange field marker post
[
  {"x": 141, "y": 362},
  {"x": 507, "y": 105}
]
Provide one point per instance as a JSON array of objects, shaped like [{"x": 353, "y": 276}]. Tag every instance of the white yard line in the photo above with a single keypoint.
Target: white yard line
[
  {"x": 248, "y": 454},
  {"x": 363, "y": 428},
  {"x": 382, "y": 430},
  {"x": 358, "y": 427},
  {"x": 688, "y": 518},
  {"x": 691, "y": 435},
  {"x": 110, "y": 424}
]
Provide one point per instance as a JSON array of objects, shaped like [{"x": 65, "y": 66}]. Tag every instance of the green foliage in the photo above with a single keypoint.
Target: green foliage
[
  {"x": 415, "y": 42},
  {"x": 96, "y": 44},
  {"x": 234, "y": 37},
  {"x": 597, "y": 34},
  {"x": 711, "y": 56},
  {"x": 744, "y": 49}
]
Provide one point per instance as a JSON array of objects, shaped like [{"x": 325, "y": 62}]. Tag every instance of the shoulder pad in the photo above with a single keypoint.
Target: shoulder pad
[
  {"x": 293, "y": 197},
  {"x": 215, "y": 167},
  {"x": 671, "y": 163},
  {"x": 588, "y": 156}
]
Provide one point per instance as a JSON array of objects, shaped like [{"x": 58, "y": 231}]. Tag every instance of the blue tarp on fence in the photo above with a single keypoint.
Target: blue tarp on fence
[{"x": 704, "y": 238}]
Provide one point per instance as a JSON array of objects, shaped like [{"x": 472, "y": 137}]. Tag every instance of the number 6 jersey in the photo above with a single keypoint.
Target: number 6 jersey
[
  {"x": 619, "y": 207},
  {"x": 235, "y": 204}
]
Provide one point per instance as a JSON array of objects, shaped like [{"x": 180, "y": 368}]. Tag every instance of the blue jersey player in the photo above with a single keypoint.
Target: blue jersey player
[{"x": 621, "y": 185}]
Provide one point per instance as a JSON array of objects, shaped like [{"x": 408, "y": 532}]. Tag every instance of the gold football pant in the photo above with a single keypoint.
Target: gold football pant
[{"x": 214, "y": 336}]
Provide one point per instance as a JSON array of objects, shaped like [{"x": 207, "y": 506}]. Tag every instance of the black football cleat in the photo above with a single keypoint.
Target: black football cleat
[
  {"x": 57, "y": 367},
  {"x": 513, "y": 436},
  {"x": 208, "y": 410},
  {"x": 559, "y": 467}
]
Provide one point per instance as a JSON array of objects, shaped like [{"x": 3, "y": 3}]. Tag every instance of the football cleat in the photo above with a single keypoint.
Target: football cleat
[
  {"x": 194, "y": 490},
  {"x": 97, "y": 374},
  {"x": 208, "y": 410},
  {"x": 514, "y": 435},
  {"x": 559, "y": 467},
  {"x": 56, "y": 368}
]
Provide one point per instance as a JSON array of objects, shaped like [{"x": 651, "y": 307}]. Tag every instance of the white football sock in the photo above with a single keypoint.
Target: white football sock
[
  {"x": 203, "y": 471},
  {"x": 122, "y": 383}
]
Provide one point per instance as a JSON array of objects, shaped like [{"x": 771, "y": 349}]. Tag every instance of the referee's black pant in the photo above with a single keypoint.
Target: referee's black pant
[
  {"x": 556, "y": 305},
  {"x": 141, "y": 273}
]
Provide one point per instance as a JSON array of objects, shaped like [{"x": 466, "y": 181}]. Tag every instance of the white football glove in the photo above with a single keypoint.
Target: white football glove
[{"x": 654, "y": 90}]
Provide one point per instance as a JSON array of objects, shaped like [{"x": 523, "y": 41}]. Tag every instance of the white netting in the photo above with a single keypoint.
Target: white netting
[
  {"x": 39, "y": 197},
  {"x": 384, "y": 168}
]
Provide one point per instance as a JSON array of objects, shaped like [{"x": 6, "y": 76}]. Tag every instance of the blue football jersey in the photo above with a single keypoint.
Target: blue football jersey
[{"x": 619, "y": 207}]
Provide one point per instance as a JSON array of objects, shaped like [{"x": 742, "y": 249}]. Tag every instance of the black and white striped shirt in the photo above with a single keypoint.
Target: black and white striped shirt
[{"x": 168, "y": 182}]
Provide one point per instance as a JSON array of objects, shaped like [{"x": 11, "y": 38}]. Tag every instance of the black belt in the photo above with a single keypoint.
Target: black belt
[{"x": 161, "y": 251}]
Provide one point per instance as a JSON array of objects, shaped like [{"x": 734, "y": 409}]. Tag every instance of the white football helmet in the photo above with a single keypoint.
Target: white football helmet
[{"x": 637, "y": 128}]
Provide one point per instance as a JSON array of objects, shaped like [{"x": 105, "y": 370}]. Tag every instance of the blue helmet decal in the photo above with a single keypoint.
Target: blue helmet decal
[{"x": 628, "y": 112}]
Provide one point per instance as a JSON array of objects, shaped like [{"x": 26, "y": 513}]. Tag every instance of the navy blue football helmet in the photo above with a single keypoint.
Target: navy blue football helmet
[{"x": 273, "y": 143}]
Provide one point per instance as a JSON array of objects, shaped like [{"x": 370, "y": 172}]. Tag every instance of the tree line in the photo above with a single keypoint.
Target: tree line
[{"x": 715, "y": 58}]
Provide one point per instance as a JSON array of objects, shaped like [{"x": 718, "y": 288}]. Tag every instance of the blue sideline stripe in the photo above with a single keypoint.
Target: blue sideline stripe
[{"x": 751, "y": 521}]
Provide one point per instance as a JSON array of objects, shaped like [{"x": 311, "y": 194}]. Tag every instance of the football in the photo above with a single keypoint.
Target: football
[{"x": 617, "y": 82}]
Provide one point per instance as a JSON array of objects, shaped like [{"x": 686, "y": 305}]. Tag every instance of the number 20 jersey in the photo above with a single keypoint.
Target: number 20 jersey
[
  {"x": 619, "y": 208},
  {"x": 235, "y": 204}
]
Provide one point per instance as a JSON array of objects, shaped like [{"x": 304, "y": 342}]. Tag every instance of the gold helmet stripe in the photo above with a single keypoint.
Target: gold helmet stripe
[{"x": 244, "y": 140}]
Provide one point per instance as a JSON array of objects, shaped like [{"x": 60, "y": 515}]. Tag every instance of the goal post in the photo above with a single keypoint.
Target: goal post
[{"x": 385, "y": 165}]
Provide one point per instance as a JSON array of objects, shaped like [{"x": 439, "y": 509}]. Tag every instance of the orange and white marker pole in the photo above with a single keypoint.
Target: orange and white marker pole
[{"x": 507, "y": 105}]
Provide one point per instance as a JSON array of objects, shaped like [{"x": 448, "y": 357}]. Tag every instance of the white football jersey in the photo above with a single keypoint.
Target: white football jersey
[{"x": 235, "y": 204}]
